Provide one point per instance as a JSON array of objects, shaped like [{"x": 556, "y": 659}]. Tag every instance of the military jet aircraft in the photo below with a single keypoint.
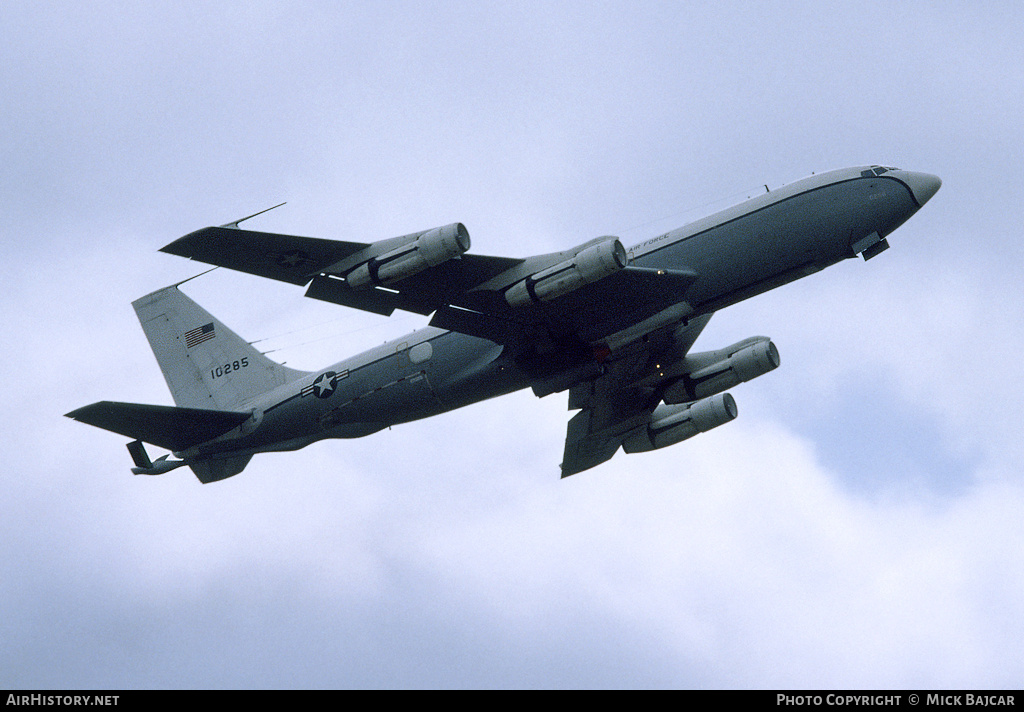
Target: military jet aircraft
[{"x": 611, "y": 326}]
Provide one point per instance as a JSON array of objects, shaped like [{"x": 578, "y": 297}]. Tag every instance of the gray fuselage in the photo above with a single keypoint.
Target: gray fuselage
[{"x": 738, "y": 253}]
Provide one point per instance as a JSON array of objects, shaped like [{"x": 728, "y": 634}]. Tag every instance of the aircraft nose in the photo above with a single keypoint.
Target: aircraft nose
[{"x": 922, "y": 185}]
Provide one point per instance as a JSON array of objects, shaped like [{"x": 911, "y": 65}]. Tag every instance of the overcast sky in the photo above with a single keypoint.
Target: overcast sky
[{"x": 859, "y": 525}]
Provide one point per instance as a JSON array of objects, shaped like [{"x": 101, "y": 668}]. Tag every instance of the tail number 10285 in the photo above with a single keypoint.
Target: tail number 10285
[{"x": 229, "y": 367}]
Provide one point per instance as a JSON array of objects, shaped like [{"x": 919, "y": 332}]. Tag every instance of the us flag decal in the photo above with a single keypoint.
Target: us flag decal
[{"x": 199, "y": 335}]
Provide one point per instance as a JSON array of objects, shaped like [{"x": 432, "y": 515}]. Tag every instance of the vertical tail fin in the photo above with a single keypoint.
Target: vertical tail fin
[{"x": 205, "y": 364}]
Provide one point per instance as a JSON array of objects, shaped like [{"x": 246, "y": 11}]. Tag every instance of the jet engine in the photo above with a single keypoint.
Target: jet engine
[
  {"x": 671, "y": 424},
  {"x": 430, "y": 249},
  {"x": 587, "y": 266},
  {"x": 715, "y": 371}
]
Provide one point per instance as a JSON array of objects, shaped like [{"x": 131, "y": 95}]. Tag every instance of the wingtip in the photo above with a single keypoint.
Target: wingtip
[
  {"x": 181, "y": 246},
  {"x": 77, "y": 413}
]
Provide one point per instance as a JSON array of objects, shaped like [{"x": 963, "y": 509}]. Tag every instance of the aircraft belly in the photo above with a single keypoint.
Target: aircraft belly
[
  {"x": 387, "y": 395},
  {"x": 468, "y": 369},
  {"x": 350, "y": 403}
]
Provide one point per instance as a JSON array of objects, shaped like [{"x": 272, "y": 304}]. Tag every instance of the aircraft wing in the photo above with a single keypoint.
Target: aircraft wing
[
  {"x": 622, "y": 399},
  {"x": 301, "y": 260},
  {"x": 608, "y": 415},
  {"x": 468, "y": 293},
  {"x": 282, "y": 257}
]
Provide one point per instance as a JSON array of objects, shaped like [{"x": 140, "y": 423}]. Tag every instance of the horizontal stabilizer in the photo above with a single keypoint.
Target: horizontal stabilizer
[{"x": 168, "y": 427}]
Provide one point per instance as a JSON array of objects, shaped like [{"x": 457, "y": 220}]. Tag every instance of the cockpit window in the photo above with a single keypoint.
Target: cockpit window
[{"x": 876, "y": 171}]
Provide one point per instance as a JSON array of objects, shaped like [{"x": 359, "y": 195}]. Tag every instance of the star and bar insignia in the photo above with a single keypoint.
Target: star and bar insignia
[
  {"x": 323, "y": 386},
  {"x": 293, "y": 258}
]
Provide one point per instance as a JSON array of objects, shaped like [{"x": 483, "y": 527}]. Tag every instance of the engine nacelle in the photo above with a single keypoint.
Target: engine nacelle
[
  {"x": 430, "y": 249},
  {"x": 729, "y": 367},
  {"x": 589, "y": 265},
  {"x": 671, "y": 424}
]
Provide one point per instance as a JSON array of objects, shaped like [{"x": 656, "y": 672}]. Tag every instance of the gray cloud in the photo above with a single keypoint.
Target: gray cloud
[{"x": 856, "y": 527}]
